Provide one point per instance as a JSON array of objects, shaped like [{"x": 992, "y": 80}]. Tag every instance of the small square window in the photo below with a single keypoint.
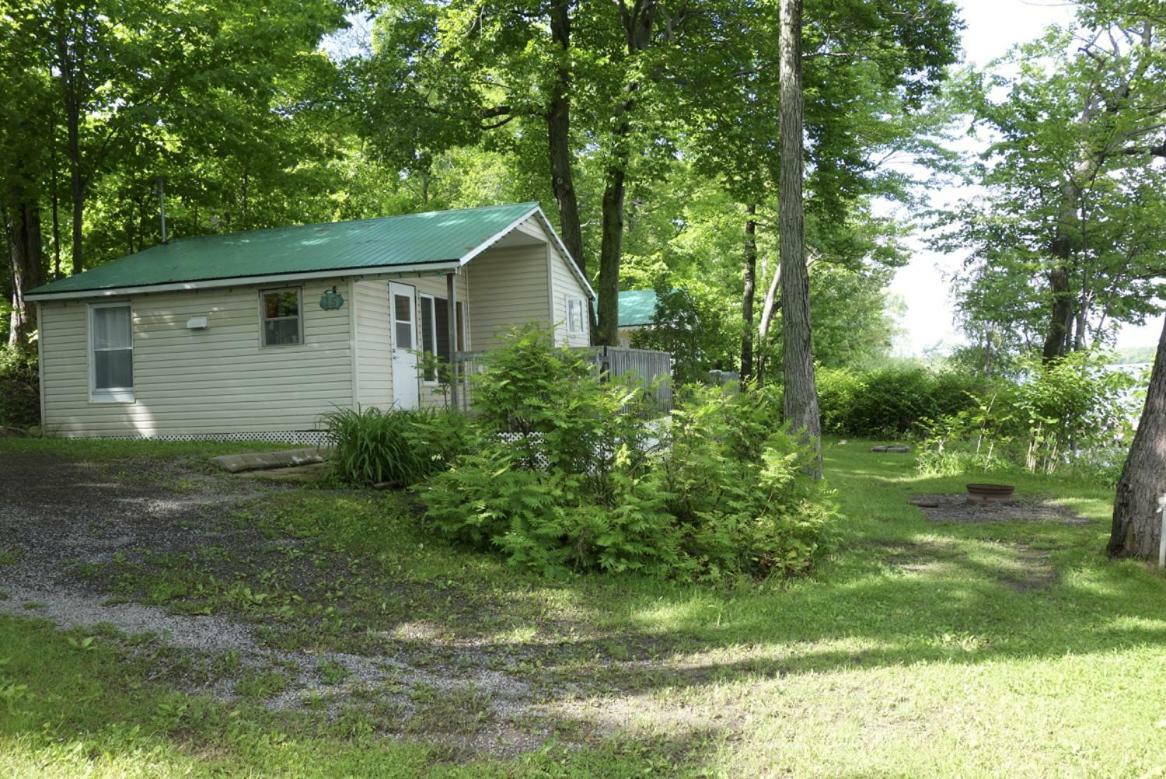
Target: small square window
[
  {"x": 575, "y": 315},
  {"x": 280, "y": 314}
]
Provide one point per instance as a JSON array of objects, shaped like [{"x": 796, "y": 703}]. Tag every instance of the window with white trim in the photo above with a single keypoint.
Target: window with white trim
[
  {"x": 279, "y": 313},
  {"x": 575, "y": 315},
  {"x": 111, "y": 344},
  {"x": 435, "y": 329}
]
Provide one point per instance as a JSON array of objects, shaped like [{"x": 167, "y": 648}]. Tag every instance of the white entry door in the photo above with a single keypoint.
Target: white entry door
[{"x": 403, "y": 312}]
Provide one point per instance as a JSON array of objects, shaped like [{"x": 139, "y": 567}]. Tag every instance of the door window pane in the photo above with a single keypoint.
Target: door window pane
[
  {"x": 427, "y": 328},
  {"x": 403, "y": 314},
  {"x": 443, "y": 328}
]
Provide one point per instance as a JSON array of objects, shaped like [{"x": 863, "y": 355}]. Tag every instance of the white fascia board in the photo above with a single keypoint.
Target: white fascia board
[
  {"x": 498, "y": 236},
  {"x": 248, "y": 281}
]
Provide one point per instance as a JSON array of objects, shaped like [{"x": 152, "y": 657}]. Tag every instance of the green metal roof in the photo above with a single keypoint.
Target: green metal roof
[
  {"x": 637, "y": 307},
  {"x": 412, "y": 239}
]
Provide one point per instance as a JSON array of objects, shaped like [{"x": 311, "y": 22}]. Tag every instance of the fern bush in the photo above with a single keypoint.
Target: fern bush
[
  {"x": 573, "y": 474},
  {"x": 394, "y": 447},
  {"x": 893, "y": 400}
]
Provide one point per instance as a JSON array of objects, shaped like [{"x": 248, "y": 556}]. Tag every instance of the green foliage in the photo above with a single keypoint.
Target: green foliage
[
  {"x": 736, "y": 485},
  {"x": 689, "y": 329},
  {"x": 574, "y": 475},
  {"x": 1068, "y": 204},
  {"x": 890, "y": 401},
  {"x": 19, "y": 389},
  {"x": 1074, "y": 414},
  {"x": 396, "y": 447}
]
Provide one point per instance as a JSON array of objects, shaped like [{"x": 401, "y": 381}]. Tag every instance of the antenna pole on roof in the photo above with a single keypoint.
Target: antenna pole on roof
[{"x": 162, "y": 206}]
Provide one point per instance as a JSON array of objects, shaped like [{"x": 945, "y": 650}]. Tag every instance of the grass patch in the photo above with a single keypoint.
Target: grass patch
[
  {"x": 919, "y": 648},
  {"x": 66, "y": 711}
]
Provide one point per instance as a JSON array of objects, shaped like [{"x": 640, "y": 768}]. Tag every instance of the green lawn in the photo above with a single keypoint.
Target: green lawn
[{"x": 918, "y": 649}]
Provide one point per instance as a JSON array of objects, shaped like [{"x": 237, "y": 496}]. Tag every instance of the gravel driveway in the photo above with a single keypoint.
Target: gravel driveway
[
  {"x": 59, "y": 518},
  {"x": 56, "y": 515}
]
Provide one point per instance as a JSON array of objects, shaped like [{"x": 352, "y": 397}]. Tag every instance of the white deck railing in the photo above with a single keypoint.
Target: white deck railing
[{"x": 650, "y": 368}]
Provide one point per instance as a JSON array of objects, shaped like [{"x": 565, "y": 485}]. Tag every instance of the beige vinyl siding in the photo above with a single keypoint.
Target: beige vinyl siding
[
  {"x": 510, "y": 287},
  {"x": 564, "y": 285},
  {"x": 374, "y": 352},
  {"x": 218, "y": 380}
]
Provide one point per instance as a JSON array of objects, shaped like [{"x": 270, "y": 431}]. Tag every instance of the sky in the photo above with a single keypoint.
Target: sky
[{"x": 993, "y": 26}]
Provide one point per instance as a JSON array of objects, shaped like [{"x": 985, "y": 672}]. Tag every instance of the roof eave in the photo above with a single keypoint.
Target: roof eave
[
  {"x": 535, "y": 210},
  {"x": 244, "y": 281}
]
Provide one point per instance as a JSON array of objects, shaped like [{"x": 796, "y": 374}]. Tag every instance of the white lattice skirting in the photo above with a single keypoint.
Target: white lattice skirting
[{"x": 290, "y": 437}]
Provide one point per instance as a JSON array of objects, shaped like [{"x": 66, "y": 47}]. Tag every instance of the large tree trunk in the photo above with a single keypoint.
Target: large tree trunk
[
  {"x": 637, "y": 21},
  {"x": 749, "y": 279},
  {"x": 1136, "y": 529},
  {"x": 801, "y": 394},
  {"x": 24, "y": 255},
  {"x": 559, "y": 136},
  {"x": 56, "y": 210},
  {"x": 610, "y": 251},
  {"x": 1061, "y": 314}
]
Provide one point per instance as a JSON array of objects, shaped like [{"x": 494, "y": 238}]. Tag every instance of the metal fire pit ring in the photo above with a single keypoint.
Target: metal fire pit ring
[{"x": 990, "y": 492}]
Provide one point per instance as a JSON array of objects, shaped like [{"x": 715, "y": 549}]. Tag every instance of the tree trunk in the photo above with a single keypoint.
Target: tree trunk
[
  {"x": 637, "y": 22},
  {"x": 71, "y": 73},
  {"x": 749, "y": 277},
  {"x": 24, "y": 254},
  {"x": 1136, "y": 529},
  {"x": 801, "y": 395},
  {"x": 1057, "y": 335},
  {"x": 559, "y": 136},
  {"x": 56, "y": 208},
  {"x": 76, "y": 182},
  {"x": 610, "y": 250}
]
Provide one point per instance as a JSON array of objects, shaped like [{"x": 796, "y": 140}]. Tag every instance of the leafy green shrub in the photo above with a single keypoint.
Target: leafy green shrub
[
  {"x": 1074, "y": 414},
  {"x": 546, "y": 520},
  {"x": 838, "y": 389},
  {"x": 891, "y": 401},
  {"x": 19, "y": 389},
  {"x": 736, "y": 486},
  {"x": 571, "y": 475},
  {"x": 395, "y": 447}
]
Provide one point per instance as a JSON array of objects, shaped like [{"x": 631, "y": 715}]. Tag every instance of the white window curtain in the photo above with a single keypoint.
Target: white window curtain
[{"x": 113, "y": 349}]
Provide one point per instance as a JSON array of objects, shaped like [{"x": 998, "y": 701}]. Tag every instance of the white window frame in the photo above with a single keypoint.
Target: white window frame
[
  {"x": 582, "y": 315},
  {"x": 263, "y": 316},
  {"x": 433, "y": 331},
  {"x": 460, "y": 308},
  {"x": 108, "y": 394}
]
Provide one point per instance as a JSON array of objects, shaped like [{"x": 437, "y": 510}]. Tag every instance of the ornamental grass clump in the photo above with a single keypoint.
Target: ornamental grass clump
[
  {"x": 572, "y": 473},
  {"x": 394, "y": 447}
]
